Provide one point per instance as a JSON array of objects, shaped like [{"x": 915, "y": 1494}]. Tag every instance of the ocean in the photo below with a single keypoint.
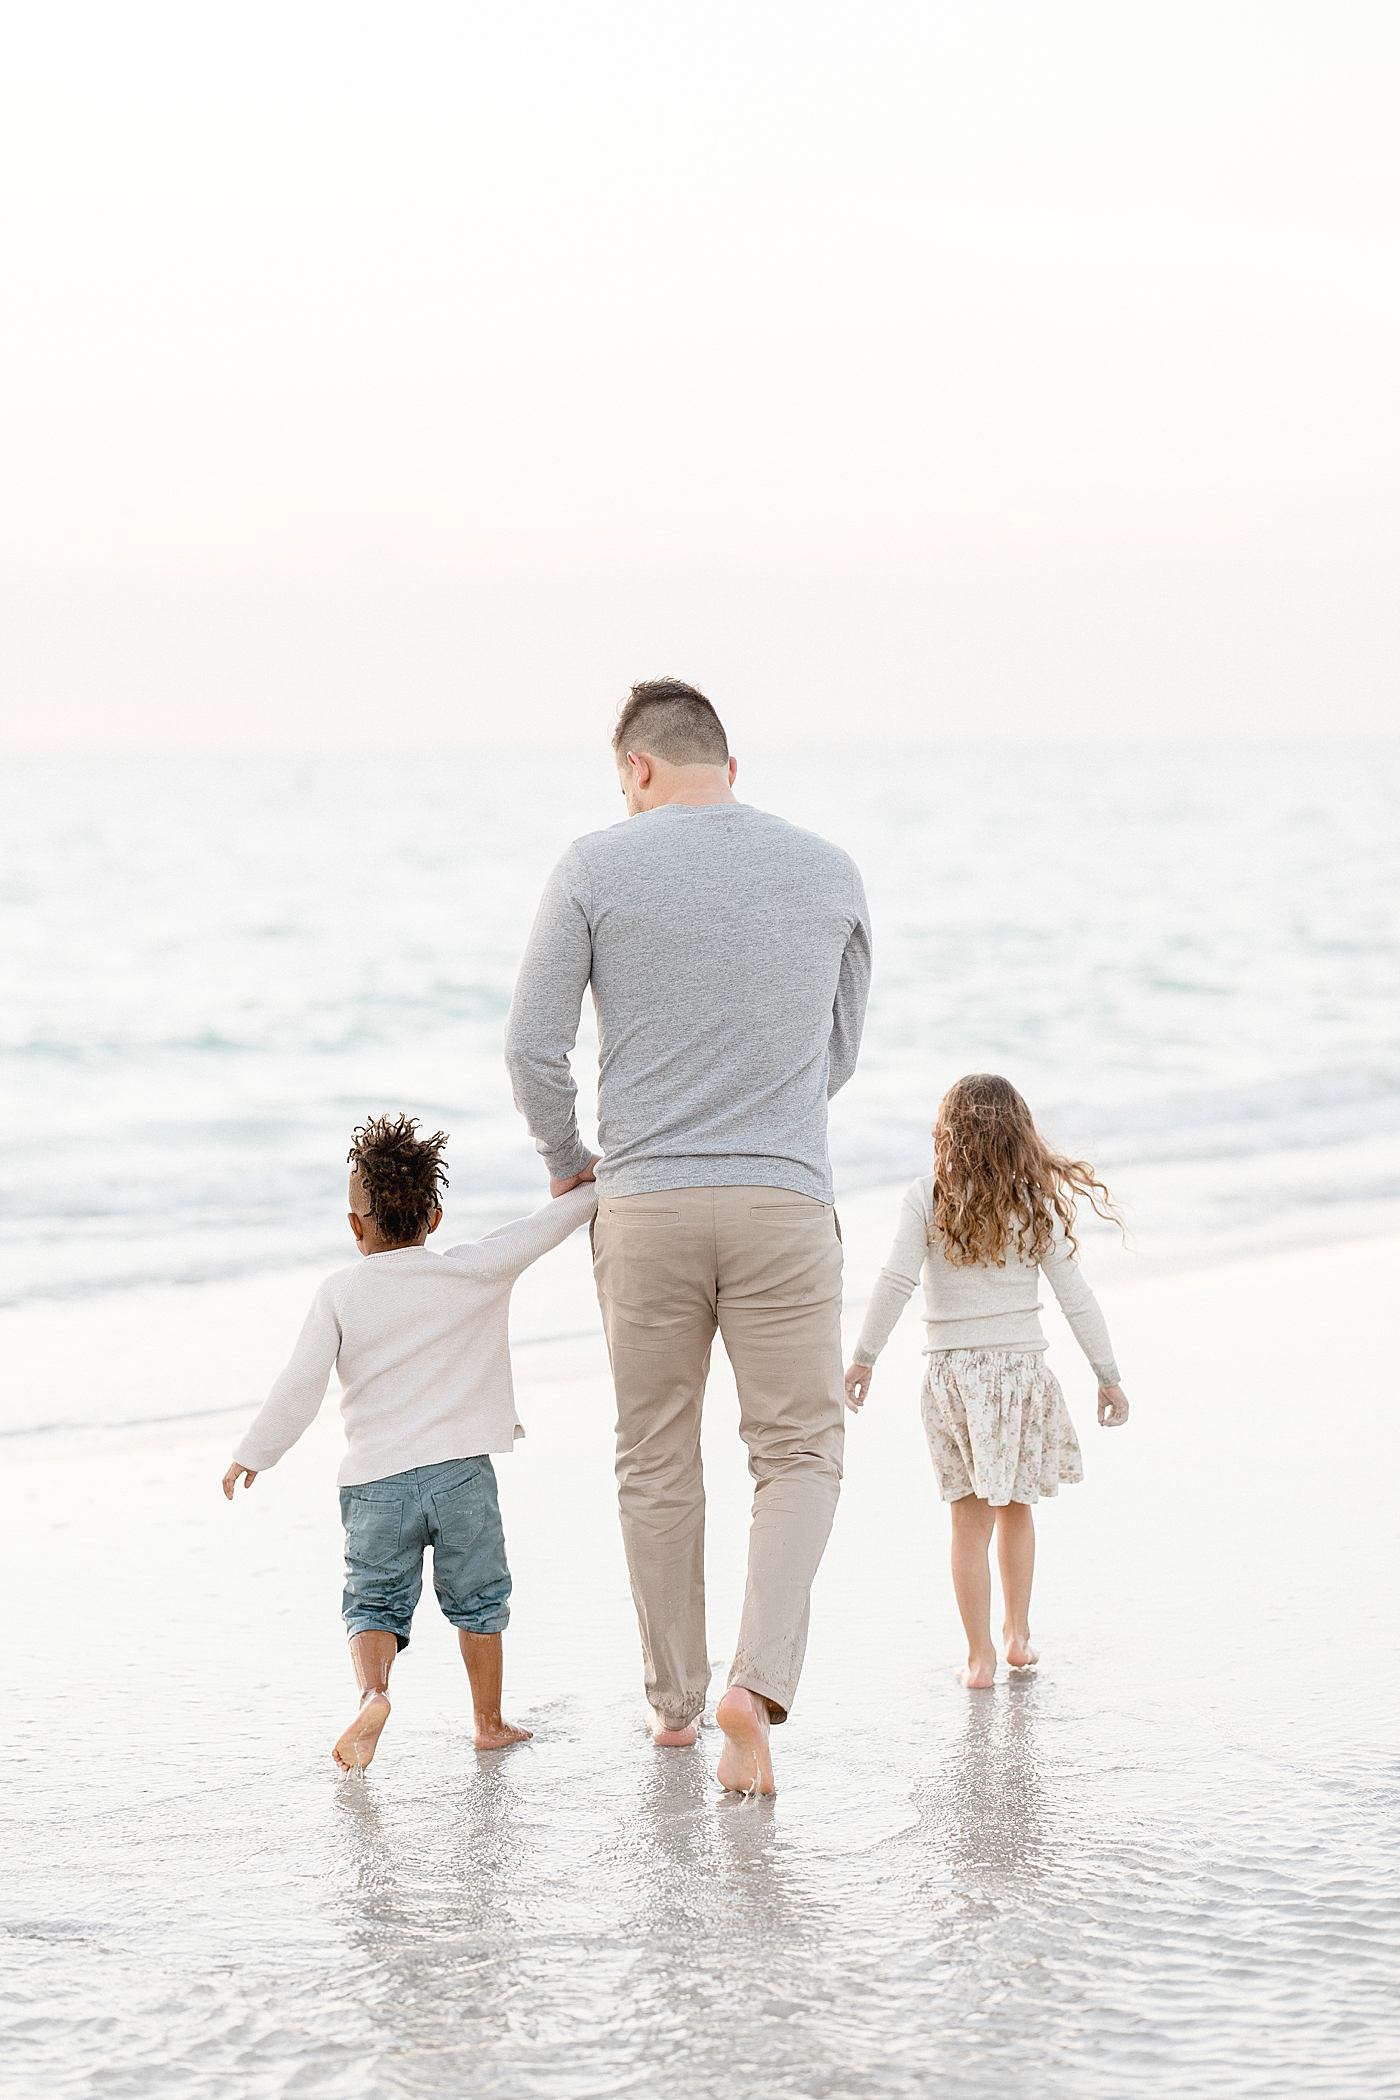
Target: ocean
[{"x": 1187, "y": 958}]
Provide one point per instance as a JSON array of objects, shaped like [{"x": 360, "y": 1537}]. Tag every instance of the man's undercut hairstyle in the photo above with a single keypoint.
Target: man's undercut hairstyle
[
  {"x": 402, "y": 1175},
  {"x": 672, "y": 721}
]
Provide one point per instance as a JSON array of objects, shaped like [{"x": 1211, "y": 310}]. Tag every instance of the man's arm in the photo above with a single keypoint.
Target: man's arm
[
  {"x": 543, "y": 1024},
  {"x": 852, "y": 991}
]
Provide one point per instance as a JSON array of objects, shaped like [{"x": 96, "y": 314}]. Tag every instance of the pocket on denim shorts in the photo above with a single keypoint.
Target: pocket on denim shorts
[
  {"x": 459, "y": 1508},
  {"x": 373, "y": 1528}
]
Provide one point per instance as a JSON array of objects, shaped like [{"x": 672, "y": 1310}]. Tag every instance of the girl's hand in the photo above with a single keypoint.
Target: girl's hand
[
  {"x": 1113, "y": 1407},
  {"x": 231, "y": 1479},
  {"x": 858, "y": 1378}
]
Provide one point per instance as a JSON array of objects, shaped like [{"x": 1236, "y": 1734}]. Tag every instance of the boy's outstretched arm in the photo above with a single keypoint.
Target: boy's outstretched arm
[{"x": 510, "y": 1249}]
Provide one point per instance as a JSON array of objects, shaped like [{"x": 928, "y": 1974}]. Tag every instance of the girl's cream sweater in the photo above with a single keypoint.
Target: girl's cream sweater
[{"x": 983, "y": 1306}]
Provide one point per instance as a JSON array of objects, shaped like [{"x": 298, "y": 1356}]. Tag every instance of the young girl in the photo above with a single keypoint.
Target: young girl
[{"x": 996, "y": 1213}]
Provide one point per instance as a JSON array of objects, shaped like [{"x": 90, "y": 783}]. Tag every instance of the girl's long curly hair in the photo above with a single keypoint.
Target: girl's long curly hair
[
  {"x": 402, "y": 1175},
  {"x": 997, "y": 1184}
]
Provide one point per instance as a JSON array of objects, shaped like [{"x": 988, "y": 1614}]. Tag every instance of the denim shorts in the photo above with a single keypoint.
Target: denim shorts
[{"x": 388, "y": 1524}]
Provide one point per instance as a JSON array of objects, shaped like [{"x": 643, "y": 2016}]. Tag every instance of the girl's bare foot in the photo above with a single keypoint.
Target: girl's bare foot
[
  {"x": 492, "y": 1733},
  {"x": 745, "y": 1764},
  {"x": 1019, "y": 1653},
  {"x": 668, "y": 1737},
  {"x": 979, "y": 1672},
  {"x": 357, "y": 1746}
]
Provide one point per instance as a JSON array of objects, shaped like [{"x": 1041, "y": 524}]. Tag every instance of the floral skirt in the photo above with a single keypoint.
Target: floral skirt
[{"x": 997, "y": 1426}]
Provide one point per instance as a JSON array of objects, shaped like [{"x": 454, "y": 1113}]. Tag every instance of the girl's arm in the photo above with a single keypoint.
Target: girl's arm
[
  {"x": 295, "y": 1400},
  {"x": 896, "y": 1281},
  {"x": 1081, "y": 1308}
]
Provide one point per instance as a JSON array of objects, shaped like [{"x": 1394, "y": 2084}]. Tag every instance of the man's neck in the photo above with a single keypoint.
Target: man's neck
[
  {"x": 697, "y": 795},
  {"x": 687, "y": 787}
]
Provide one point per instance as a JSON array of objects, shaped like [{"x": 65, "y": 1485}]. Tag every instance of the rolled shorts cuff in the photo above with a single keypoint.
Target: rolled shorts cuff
[
  {"x": 494, "y": 1621},
  {"x": 373, "y": 1622}
]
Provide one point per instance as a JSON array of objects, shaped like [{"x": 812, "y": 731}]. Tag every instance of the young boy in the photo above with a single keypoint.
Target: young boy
[{"x": 420, "y": 1344}]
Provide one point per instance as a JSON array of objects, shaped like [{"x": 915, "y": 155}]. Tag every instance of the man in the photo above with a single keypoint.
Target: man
[{"x": 729, "y": 957}]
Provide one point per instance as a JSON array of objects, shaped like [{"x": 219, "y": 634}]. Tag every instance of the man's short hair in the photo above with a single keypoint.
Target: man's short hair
[{"x": 670, "y": 720}]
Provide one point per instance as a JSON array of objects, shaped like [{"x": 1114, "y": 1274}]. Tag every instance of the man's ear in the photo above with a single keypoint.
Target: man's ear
[
  {"x": 357, "y": 1224},
  {"x": 733, "y": 771},
  {"x": 641, "y": 768},
  {"x": 436, "y": 1220}
]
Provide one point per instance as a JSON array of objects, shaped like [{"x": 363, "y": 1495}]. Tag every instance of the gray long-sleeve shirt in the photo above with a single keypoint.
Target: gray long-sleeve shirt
[{"x": 729, "y": 958}]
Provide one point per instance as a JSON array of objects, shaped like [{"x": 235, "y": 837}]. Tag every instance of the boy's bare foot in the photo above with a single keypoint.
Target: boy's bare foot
[
  {"x": 1020, "y": 1655},
  {"x": 667, "y": 1737},
  {"x": 357, "y": 1746},
  {"x": 979, "y": 1672},
  {"x": 745, "y": 1765},
  {"x": 492, "y": 1733}
]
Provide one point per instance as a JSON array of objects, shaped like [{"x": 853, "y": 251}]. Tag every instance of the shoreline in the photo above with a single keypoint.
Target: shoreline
[{"x": 266, "y": 1313}]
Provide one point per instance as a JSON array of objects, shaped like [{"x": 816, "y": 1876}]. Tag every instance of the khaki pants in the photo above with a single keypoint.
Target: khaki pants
[{"x": 764, "y": 1266}]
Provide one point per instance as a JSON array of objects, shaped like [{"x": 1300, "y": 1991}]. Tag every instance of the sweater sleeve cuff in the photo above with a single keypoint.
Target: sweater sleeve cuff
[
  {"x": 566, "y": 1159},
  {"x": 251, "y": 1462},
  {"x": 1107, "y": 1374},
  {"x": 864, "y": 1354}
]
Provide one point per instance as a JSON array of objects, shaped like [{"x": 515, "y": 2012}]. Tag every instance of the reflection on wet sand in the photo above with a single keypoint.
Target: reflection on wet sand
[
  {"x": 481, "y": 1942},
  {"x": 985, "y": 1809}
]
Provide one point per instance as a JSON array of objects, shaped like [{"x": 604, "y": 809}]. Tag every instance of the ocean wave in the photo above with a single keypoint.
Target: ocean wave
[{"x": 203, "y": 997}]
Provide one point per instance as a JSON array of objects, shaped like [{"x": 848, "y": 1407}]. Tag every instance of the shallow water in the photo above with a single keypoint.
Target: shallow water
[{"x": 1166, "y": 1864}]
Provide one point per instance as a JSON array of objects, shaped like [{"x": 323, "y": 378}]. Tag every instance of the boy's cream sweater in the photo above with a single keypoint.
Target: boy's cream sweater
[
  {"x": 982, "y": 1306},
  {"x": 420, "y": 1342}
]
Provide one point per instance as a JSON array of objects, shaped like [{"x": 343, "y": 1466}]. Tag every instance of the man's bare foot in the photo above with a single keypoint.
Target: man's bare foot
[
  {"x": 357, "y": 1746},
  {"x": 492, "y": 1733},
  {"x": 668, "y": 1738},
  {"x": 979, "y": 1672},
  {"x": 745, "y": 1766},
  {"x": 1019, "y": 1654}
]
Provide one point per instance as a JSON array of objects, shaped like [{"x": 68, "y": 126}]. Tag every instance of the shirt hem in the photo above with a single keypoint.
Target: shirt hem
[
  {"x": 1017, "y": 1348},
  {"x": 432, "y": 1455},
  {"x": 653, "y": 1177}
]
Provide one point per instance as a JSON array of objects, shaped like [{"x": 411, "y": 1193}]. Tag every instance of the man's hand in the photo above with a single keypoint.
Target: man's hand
[
  {"x": 858, "y": 1377},
  {"x": 561, "y": 1188},
  {"x": 1113, "y": 1407},
  {"x": 231, "y": 1478}
]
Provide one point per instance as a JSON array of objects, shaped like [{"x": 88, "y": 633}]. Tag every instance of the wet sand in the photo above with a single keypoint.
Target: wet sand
[{"x": 1164, "y": 1864}]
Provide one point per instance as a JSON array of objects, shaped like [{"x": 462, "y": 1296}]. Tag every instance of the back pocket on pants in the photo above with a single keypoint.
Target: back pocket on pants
[{"x": 373, "y": 1530}]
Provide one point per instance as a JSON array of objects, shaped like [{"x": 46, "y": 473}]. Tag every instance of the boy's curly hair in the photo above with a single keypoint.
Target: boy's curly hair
[
  {"x": 997, "y": 1184},
  {"x": 402, "y": 1175}
]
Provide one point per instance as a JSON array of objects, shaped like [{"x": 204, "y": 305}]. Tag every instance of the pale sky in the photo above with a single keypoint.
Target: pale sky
[{"x": 421, "y": 375}]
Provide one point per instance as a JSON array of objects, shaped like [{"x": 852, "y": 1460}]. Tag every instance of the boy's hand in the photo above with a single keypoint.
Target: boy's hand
[
  {"x": 1113, "y": 1407},
  {"x": 231, "y": 1479},
  {"x": 561, "y": 1188},
  {"x": 858, "y": 1377}
]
